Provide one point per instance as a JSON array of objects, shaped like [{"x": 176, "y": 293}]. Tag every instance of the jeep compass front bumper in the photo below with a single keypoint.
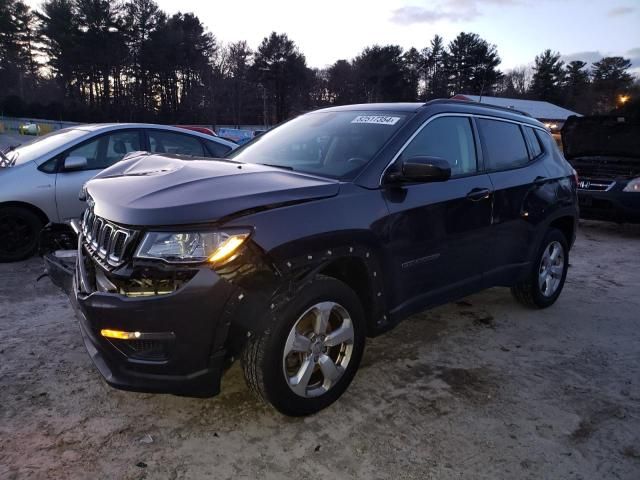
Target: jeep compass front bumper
[{"x": 178, "y": 338}]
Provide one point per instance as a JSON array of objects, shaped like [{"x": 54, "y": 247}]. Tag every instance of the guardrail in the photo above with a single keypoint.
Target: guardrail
[
  {"x": 31, "y": 126},
  {"x": 39, "y": 126}
]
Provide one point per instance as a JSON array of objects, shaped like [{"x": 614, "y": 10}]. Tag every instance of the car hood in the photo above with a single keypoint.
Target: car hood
[
  {"x": 601, "y": 136},
  {"x": 165, "y": 190}
]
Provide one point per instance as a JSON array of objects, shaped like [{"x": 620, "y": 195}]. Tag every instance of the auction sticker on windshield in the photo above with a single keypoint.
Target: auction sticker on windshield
[{"x": 377, "y": 119}]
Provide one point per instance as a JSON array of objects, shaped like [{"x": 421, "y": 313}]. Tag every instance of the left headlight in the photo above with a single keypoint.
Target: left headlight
[
  {"x": 215, "y": 247},
  {"x": 633, "y": 186}
]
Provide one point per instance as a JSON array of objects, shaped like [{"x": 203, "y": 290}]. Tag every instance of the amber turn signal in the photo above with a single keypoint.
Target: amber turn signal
[{"x": 119, "y": 334}]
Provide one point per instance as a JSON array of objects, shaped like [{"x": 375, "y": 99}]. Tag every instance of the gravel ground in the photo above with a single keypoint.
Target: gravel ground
[{"x": 481, "y": 388}]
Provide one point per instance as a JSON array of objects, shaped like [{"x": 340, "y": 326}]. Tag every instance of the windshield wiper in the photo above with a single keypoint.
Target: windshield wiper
[
  {"x": 285, "y": 167},
  {"x": 10, "y": 148},
  {"x": 4, "y": 160}
]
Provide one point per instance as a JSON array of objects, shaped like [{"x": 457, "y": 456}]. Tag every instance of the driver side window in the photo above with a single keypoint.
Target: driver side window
[
  {"x": 106, "y": 150},
  {"x": 449, "y": 138}
]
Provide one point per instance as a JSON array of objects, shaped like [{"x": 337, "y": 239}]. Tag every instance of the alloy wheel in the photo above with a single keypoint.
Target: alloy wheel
[
  {"x": 318, "y": 349},
  {"x": 551, "y": 269}
]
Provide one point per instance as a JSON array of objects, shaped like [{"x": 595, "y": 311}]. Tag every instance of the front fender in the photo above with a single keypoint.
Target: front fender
[{"x": 268, "y": 281}]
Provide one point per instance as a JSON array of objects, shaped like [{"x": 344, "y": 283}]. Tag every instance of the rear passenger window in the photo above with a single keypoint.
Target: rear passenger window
[
  {"x": 535, "y": 149},
  {"x": 503, "y": 144},
  {"x": 449, "y": 138},
  {"x": 162, "y": 141}
]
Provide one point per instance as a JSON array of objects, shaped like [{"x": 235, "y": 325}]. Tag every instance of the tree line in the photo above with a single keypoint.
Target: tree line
[{"x": 107, "y": 60}]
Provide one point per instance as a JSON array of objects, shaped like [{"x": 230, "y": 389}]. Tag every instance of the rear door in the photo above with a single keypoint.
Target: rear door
[
  {"x": 513, "y": 158},
  {"x": 216, "y": 149},
  {"x": 437, "y": 231},
  {"x": 167, "y": 141},
  {"x": 101, "y": 152}
]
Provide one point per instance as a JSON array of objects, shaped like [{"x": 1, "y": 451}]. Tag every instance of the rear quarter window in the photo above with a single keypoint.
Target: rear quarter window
[
  {"x": 503, "y": 145},
  {"x": 535, "y": 149},
  {"x": 216, "y": 149}
]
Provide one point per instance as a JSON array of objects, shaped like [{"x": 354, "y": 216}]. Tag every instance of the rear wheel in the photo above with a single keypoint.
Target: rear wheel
[
  {"x": 19, "y": 230},
  {"x": 309, "y": 356},
  {"x": 545, "y": 283}
]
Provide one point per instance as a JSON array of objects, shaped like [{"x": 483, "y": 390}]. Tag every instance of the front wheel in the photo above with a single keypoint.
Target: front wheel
[
  {"x": 310, "y": 353},
  {"x": 19, "y": 230},
  {"x": 548, "y": 274}
]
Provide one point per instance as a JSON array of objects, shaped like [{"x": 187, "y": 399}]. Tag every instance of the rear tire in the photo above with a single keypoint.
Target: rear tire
[
  {"x": 19, "y": 232},
  {"x": 548, "y": 273},
  {"x": 290, "y": 365}
]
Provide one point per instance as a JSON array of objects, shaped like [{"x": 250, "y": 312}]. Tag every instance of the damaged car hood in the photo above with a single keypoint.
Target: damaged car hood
[
  {"x": 166, "y": 190},
  {"x": 601, "y": 136}
]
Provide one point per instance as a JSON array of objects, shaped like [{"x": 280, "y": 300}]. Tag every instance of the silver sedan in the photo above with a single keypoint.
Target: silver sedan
[{"x": 40, "y": 180}]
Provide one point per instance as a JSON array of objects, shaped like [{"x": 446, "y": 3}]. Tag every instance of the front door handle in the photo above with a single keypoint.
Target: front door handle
[{"x": 478, "y": 194}]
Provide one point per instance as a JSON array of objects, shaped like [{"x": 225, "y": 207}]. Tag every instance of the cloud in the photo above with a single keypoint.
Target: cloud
[
  {"x": 620, "y": 11},
  {"x": 634, "y": 52},
  {"x": 589, "y": 57},
  {"x": 411, "y": 15},
  {"x": 634, "y": 56},
  {"x": 451, "y": 10}
]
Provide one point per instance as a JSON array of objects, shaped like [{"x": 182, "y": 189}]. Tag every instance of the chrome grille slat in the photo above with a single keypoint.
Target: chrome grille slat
[
  {"x": 95, "y": 231},
  {"x": 105, "y": 241},
  {"x": 595, "y": 184}
]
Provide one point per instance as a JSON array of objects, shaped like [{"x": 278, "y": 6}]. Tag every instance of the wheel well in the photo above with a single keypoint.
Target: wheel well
[
  {"x": 567, "y": 226},
  {"x": 353, "y": 271},
  {"x": 27, "y": 206}
]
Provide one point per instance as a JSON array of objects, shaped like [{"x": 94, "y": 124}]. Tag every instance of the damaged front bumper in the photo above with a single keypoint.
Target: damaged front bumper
[{"x": 178, "y": 341}]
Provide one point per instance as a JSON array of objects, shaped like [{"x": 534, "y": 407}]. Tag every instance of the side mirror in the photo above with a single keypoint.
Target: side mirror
[
  {"x": 75, "y": 163},
  {"x": 422, "y": 169}
]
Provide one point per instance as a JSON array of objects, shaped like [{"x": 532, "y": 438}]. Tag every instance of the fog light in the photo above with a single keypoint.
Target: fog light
[{"x": 119, "y": 334}]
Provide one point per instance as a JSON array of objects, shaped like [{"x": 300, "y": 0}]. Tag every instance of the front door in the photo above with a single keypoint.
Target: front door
[
  {"x": 437, "y": 232},
  {"x": 100, "y": 152}
]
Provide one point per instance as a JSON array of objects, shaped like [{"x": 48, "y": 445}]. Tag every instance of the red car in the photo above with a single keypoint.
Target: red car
[{"x": 195, "y": 128}]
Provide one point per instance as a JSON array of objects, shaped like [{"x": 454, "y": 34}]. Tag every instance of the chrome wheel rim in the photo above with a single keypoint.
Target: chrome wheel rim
[
  {"x": 551, "y": 269},
  {"x": 318, "y": 349}
]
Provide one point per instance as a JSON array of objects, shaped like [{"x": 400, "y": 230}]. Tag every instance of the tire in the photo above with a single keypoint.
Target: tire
[
  {"x": 269, "y": 373},
  {"x": 536, "y": 293},
  {"x": 19, "y": 231}
]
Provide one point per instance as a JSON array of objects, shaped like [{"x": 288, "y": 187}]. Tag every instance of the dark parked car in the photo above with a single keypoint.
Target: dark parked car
[
  {"x": 324, "y": 231},
  {"x": 605, "y": 151}
]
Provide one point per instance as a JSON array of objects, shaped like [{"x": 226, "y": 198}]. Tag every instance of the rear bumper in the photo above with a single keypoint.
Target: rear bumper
[
  {"x": 616, "y": 206},
  {"x": 190, "y": 325}
]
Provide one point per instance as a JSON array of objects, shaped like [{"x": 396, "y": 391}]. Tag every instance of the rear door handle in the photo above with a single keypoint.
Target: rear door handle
[
  {"x": 540, "y": 180},
  {"x": 478, "y": 194}
]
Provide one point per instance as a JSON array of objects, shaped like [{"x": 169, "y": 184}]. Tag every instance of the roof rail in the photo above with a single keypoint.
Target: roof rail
[{"x": 445, "y": 101}]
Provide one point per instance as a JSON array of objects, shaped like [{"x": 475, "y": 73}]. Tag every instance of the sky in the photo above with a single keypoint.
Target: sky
[{"x": 328, "y": 30}]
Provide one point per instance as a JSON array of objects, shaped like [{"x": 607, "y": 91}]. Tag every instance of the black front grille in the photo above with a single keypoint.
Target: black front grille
[{"x": 106, "y": 241}]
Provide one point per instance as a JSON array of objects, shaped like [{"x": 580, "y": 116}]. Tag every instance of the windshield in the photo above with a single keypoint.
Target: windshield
[
  {"x": 331, "y": 144},
  {"x": 39, "y": 146}
]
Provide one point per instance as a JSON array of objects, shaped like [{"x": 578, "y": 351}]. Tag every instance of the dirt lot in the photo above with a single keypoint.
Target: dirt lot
[{"x": 482, "y": 388}]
